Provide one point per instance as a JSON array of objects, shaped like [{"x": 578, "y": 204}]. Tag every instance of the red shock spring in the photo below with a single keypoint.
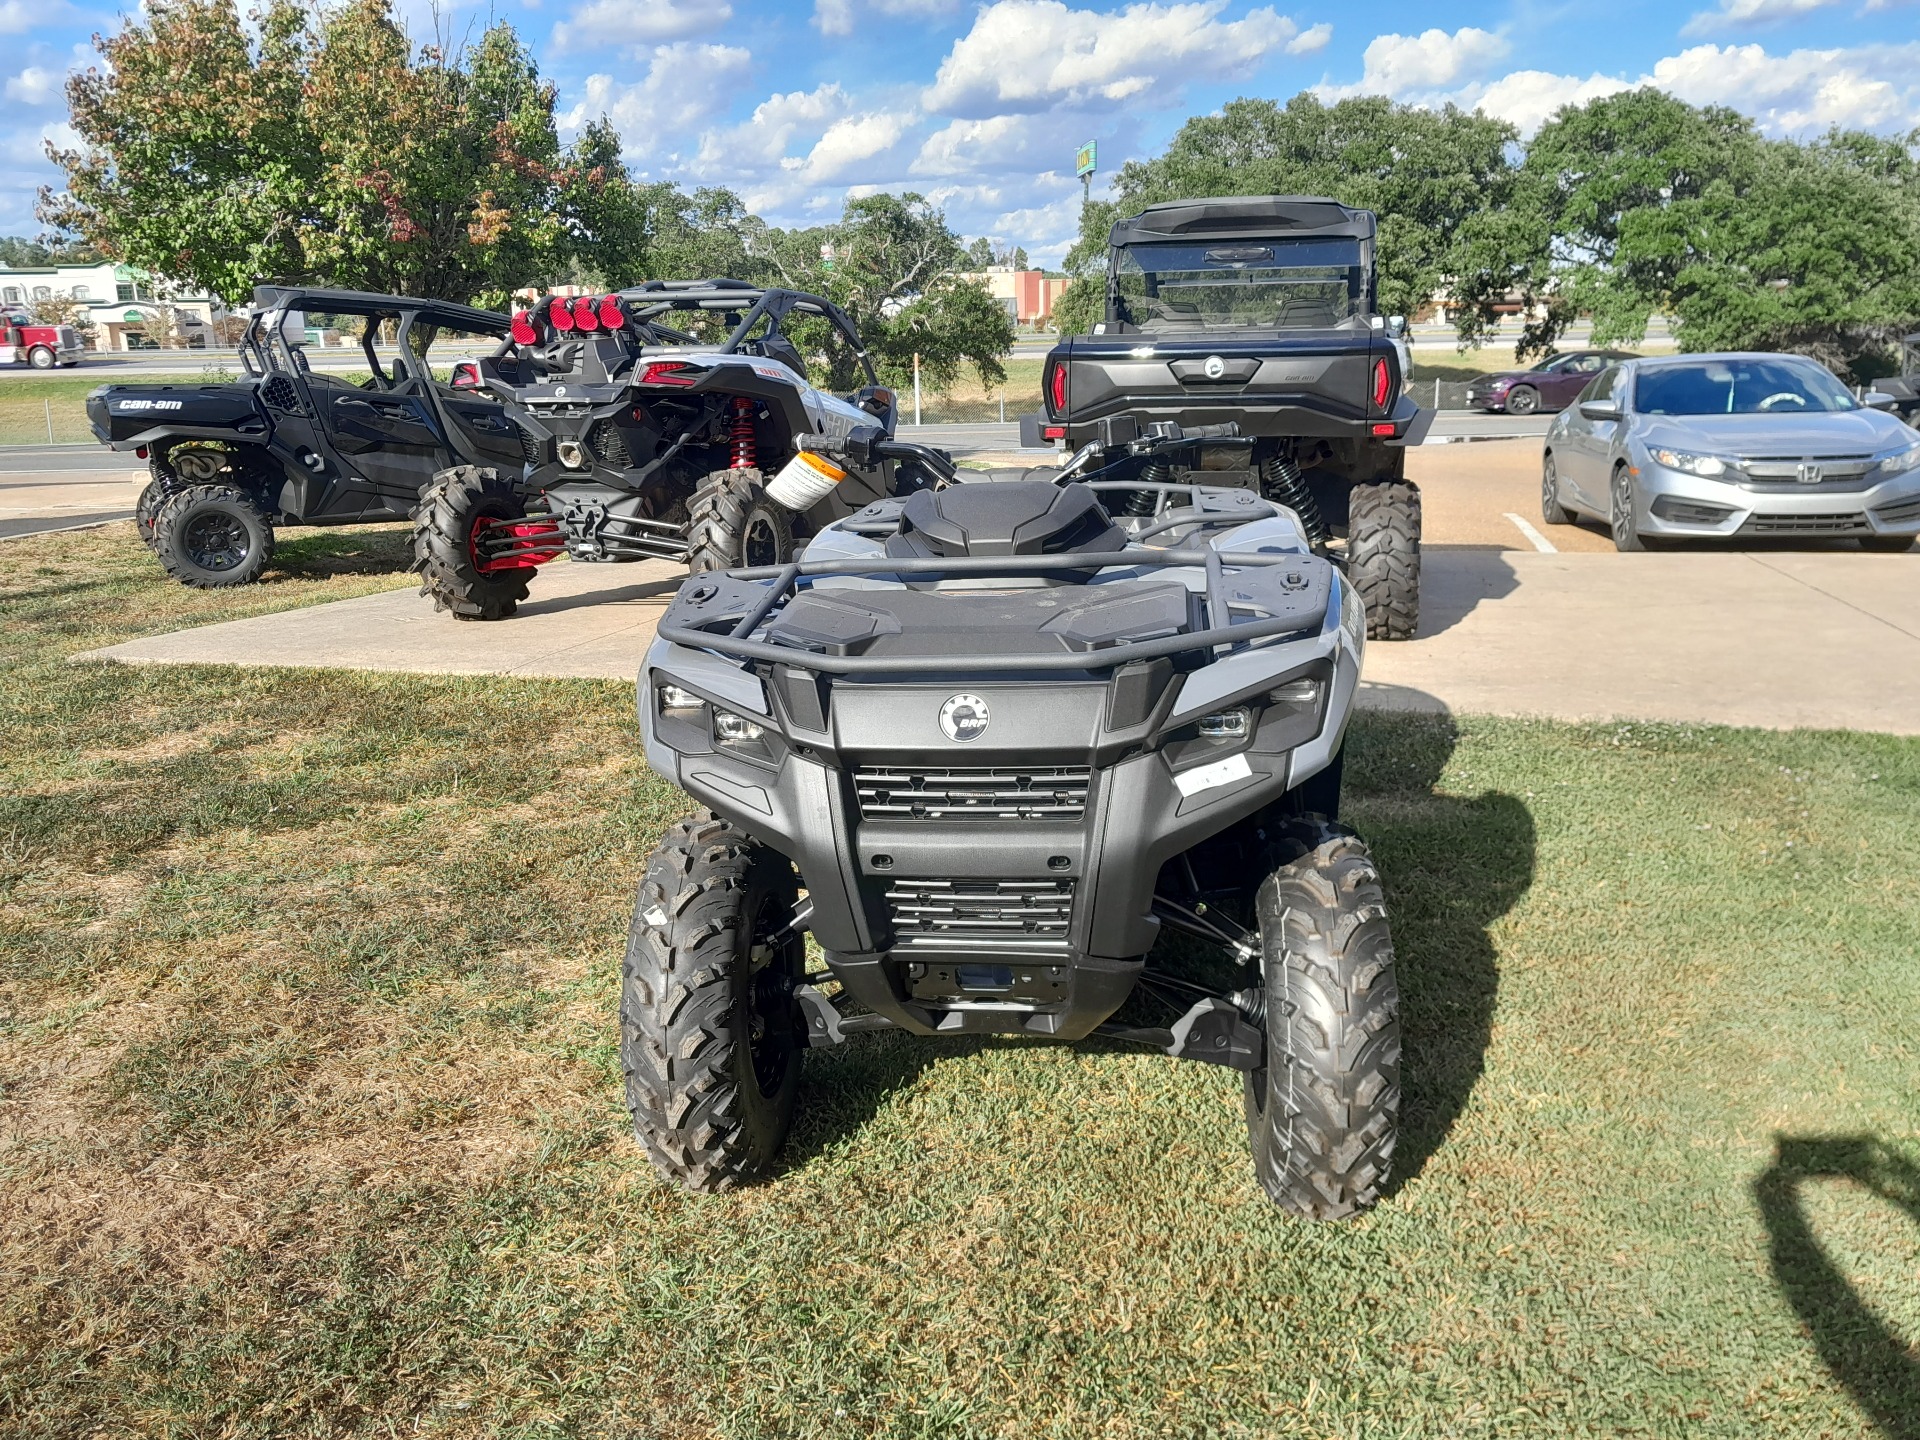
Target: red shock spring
[{"x": 744, "y": 456}]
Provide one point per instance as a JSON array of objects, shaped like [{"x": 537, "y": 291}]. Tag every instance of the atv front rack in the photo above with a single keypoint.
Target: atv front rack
[{"x": 720, "y": 611}]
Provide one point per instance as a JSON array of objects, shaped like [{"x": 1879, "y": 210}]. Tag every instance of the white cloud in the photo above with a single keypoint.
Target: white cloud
[
  {"x": 966, "y": 147},
  {"x": 834, "y": 17},
  {"x": 850, "y": 144},
  {"x": 763, "y": 139},
  {"x": 1870, "y": 86},
  {"x": 1310, "y": 41},
  {"x": 667, "y": 105},
  {"x": 35, "y": 85},
  {"x": 1031, "y": 55},
  {"x": 603, "y": 24},
  {"x": 1415, "y": 66},
  {"x": 16, "y": 18},
  {"x": 1746, "y": 14},
  {"x": 1529, "y": 98}
]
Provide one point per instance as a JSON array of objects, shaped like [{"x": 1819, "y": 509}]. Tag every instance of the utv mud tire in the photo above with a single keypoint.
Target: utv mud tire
[
  {"x": 212, "y": 536},
  {"x": 710, "y": 1035},
  {"x": 734, "y": 524},
  {"x": 1324, "y": 1111},
  {"x": 1383, "y": 556},
  {"x": 444, "y": 521}
]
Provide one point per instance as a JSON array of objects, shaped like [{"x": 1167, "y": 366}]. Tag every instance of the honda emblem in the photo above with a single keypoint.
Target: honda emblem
[{"x": 1809, "y": 474}]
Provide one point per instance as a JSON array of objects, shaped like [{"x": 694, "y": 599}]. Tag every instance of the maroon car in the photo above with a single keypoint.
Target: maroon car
[{"x": 1548, "y": 386}]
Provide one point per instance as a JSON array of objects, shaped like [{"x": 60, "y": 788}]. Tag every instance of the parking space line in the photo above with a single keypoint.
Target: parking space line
[{"x": 1540, "y": 542}]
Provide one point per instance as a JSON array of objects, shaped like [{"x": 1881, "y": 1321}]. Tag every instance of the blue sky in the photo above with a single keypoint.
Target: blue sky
[{"x": 795, "y": 103}]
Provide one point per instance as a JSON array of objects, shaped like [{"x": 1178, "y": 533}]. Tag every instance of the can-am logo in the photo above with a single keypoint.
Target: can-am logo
[
  {"x": 964, "y": 717},
  {"x": 1215, "y": 367},
  {"x": 126, "y": 405}
]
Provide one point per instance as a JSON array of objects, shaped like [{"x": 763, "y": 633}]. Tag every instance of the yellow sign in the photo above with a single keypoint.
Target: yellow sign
[{"x": 1083, "y": 160}]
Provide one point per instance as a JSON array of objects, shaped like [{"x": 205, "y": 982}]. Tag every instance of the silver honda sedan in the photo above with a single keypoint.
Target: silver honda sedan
[{"x": 1730, "y": 446}]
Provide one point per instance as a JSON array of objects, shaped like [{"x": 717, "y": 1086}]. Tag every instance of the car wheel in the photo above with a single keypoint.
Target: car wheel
[
  {"x": 210, "y": 537},
  {"x": 41, "y": 358},
  {"x": 1551, "y": 510},
  {"x": 1522, "y": 400},
  {"x": 1620, "y": 513}
]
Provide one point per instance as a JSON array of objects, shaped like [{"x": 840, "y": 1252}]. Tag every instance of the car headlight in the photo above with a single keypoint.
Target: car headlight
[
  {"x": 1687, "y": 461},
  {"x": 1901, "y": 460}
]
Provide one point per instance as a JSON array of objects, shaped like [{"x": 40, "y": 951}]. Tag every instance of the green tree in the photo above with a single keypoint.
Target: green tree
[
  {"x": 1640, "y": 204},
  {"x": 1425, "y": 173},
  {"x": 320, "y": 147}
]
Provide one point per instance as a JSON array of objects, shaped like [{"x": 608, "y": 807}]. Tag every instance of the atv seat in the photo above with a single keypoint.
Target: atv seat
[{"x": 1014, "y": 517}]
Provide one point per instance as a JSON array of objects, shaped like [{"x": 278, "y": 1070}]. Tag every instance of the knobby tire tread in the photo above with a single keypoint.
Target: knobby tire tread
[
  {"x": 1383, "y": 556},
  {"x": 443, "y": 522}
]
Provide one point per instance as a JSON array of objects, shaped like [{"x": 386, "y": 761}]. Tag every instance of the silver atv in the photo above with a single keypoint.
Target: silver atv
[{"x": 992, "y": 745}]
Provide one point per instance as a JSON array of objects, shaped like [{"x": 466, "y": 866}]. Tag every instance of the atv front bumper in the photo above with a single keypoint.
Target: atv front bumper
[{"x": 1004, "y": 883}]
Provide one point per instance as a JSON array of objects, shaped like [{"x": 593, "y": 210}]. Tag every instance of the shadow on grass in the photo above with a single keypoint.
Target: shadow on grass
[
  {"x": 321, "y": 554},
  {"x": 1452, "y": 865},
  {"x": 1879, "y": 1369}
]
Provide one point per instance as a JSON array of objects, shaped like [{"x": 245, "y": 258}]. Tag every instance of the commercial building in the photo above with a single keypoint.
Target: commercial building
[
  {"x": 128, "y": 308},
  {"x": 1029, "y": 295}
]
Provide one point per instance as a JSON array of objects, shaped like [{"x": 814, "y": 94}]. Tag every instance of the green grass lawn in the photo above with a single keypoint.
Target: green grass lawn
[{"x": 310, "y": 1119}]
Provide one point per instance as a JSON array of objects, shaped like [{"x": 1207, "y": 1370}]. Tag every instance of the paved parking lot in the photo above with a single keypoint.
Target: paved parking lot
[
  {"x": 57, "y": 487},
  {"x": 1821, "y": 635}
]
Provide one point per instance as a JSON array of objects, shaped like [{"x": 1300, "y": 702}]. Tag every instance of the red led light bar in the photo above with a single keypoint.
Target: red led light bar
[
  {"x": 559, "y": 315},
  {"x": 522, "y": 329}
]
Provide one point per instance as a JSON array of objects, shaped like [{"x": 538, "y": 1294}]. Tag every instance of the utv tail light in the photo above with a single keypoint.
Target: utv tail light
[
  {"x": 1053, "y": 432},
  {"x": 611, "y": 315},
  {"x": 1382, "y": 384},
  {"x": 559, "y": 315},
  {"x": 522, "y": 329},
  {"x": 584, "y": 318},
  {"x": 669, "y": 372},
  {"x": 1384, "y": 427},
  {"x": 1057, "y": 389}
]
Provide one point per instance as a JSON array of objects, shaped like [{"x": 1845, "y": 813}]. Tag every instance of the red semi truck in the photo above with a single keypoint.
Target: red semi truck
[{"x": 24, "y": 341}]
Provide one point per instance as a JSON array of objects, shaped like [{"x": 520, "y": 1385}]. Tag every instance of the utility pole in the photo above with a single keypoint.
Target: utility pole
[{"x": 916, "y": 387}]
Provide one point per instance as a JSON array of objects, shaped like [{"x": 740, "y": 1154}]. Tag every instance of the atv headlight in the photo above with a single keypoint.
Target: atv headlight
[
  {"x": 731, "y": 729},
  {"x": 1225, "y": 724},
  {"x": 672, "y": 697},
  {"x": 1689, "y": 463},
  {"x": 1901, "y": 461}
]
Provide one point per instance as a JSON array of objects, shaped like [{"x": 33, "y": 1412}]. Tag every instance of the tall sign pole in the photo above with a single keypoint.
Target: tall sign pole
[{"x": 1084, "y": 160}]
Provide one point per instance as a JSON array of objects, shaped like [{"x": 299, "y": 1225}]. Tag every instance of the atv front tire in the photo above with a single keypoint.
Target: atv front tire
[
  {"x": 1324, "y": 1111},
  {"x": 211, "y": 536},
  {"x": 734, "y": 524},
  {"x": 1383, "y": 556},
  {"x": 453, "y": 508},
  {"x": 710, "y": 1034}
]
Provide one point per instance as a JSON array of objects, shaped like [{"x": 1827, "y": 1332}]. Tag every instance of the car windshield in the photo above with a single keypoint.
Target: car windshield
[
  {"x": 1240, "y": 285},
  {"x": 1740, "y": 387}
]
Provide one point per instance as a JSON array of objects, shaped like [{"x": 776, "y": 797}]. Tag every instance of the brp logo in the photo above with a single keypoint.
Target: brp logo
[
  {"x": 1809, "y": 474},
  {"x": 1215, "y": 367},
  {"x": 964, "y": 717}
]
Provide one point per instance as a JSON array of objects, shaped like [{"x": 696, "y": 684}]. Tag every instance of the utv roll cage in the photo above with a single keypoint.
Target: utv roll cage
[{"x": 264, "y": 349}]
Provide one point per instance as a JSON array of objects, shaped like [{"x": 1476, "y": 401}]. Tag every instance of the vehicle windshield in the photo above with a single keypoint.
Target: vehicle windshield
[
  {"x": 1240, "y": 285},
  {"x": 1767, "y": 386}
]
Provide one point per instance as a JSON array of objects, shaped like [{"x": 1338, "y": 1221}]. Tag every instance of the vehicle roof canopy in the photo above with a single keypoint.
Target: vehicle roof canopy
[
  {"x": 1240, "y": 216},
  {"x": 362, "y": 302}
]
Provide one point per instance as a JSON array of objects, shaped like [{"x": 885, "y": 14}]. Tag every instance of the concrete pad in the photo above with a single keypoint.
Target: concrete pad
[
  {"x": 1825, "y": 640},
  {"x": 583, "y": 620}
]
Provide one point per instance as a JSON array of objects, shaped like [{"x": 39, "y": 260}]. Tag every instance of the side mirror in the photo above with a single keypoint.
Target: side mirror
[
  {"x": 1879, "y": 400},
  {"x": 1397, "y": 325},
  {"x": 1599, "y": 410}
]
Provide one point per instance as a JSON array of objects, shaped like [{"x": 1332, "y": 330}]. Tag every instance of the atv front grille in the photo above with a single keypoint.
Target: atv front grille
[
  {"x": 1017, "y": 917},
  {"x": 1852, "y": 523},
  {"x": 530, "y": 448},
  {"x": 911, "y": 793}
]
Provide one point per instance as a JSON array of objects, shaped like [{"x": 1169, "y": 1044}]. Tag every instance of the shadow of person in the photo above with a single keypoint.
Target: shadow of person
[
  {"x": 1875, "y": 1364},
  {"x": 1456, "y": 578},
  {"x": 1452, "y": 865}
]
